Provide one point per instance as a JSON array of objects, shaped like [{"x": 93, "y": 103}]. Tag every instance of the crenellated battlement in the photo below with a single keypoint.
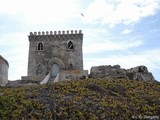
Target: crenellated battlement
[{"x": 56, "y": 33}]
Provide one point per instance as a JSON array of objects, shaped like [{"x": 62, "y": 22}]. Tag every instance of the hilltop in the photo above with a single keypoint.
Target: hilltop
[{"x": 91, "y": 99}]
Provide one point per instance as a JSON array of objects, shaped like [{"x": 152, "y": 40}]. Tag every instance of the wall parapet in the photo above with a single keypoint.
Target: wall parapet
[{"x": 56, "y": 32}]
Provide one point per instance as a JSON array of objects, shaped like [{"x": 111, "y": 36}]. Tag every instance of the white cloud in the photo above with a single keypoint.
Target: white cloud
[
  {"x": 119, "y": 11},
  {"x": 40, "y": 11},
  {"x": 111, "y": 46},
  {"x": 126, "y": 31}
]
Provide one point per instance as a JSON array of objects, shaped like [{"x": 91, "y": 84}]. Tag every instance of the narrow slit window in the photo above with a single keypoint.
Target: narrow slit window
[
  {"x": 40, "y": 46},
  {"x": 70, "y": 45}
]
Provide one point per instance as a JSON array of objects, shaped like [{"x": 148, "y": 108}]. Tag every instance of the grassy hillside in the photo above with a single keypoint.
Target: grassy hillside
[{"x": 81, "y": 100}]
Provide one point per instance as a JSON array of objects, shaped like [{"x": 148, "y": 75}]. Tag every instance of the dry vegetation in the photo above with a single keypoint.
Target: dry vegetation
[{"x": 81, "y": 100}]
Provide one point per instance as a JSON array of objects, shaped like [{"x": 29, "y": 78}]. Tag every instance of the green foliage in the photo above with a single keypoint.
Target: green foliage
[{"x": 80, "y": 100}]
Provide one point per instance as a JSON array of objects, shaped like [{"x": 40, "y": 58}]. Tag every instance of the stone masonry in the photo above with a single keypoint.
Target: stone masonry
[
  {"x": 51, "y": 53},
  {"x": 3, "y": 71}
]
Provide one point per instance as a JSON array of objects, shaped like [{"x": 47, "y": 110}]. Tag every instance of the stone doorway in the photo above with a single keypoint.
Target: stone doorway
[{"x": 55, "y": 70}]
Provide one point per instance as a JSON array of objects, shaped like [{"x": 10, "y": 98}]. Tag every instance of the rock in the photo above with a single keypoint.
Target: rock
[
  {"x": 114, "y": 72},
  {"x": 107, "y": 72},
  {"x": 140, "y": 73}
]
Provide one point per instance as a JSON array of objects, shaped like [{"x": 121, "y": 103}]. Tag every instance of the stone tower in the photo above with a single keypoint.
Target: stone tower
[
  {"x": 3, "y": 71},
  {"x": 55, "y": 52}
]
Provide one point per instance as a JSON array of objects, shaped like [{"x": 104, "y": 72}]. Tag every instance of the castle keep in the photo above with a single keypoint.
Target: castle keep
[{"x": 55, "y": 53}]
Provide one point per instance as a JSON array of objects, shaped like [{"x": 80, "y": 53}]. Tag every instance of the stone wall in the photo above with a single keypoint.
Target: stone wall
[
  {"x": 73, "y": 75},
  {"x": 3, "y": 71},
  {"x": 34, "y": 78},
  {"x": 114, "y": 72},
  {"x": 18, "y": 83},
  {"x": 63, "y": 48},
  {"x": 62, "y": 76}
]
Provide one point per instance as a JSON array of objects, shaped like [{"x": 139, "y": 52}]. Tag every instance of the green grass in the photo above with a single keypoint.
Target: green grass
[{"x": 81, "y": 100}]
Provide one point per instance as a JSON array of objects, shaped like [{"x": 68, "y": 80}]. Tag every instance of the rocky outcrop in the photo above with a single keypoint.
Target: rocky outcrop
[
  {"x": 107, "y": 72},
  {"x": 140, "y": 73},
  {"x": 114, "y": 72}
]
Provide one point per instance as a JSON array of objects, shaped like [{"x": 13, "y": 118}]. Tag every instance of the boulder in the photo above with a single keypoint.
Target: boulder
[{"x": 140, "y": 73}]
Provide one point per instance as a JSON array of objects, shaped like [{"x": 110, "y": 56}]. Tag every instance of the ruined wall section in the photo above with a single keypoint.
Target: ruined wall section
[
  {"x": 55, "y": 48},
  {"x": 3, "y": 71}
]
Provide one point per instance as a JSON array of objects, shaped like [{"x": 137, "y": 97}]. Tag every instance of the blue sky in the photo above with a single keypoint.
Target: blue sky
[{"x": 124, "y": 32}]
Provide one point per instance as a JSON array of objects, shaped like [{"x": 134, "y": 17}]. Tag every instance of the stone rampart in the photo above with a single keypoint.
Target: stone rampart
[{"x": 73, "y": 75}]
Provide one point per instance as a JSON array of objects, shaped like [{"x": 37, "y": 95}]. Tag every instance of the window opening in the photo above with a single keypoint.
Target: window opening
[
  {"x": 70, "y": 45},
  {"x": 40, "y": 46}
]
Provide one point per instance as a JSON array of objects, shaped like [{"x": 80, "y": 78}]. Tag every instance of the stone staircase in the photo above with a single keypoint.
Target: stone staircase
[
  {"x": 46, "y": 79},
  {"x": 51, "y": 80}
]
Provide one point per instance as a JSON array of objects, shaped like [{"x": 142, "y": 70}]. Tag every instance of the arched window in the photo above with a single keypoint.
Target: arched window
[
  {"x": 40, "y": 46},
  {"x": 70, "y": 45}
]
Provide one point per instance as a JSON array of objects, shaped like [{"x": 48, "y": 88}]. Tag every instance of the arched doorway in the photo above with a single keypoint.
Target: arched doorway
[{"x": 55, "y": 70}]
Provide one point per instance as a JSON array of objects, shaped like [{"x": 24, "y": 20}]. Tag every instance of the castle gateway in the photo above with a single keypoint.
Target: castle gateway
[{"x": 55, "y": 55}]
